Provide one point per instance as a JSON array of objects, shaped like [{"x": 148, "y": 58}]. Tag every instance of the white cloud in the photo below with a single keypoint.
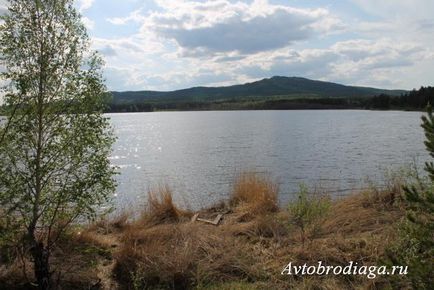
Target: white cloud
[
  {"x": 84, "y": 5},
  {"x": 121, "y": 78},
  {"x": 359, "y": 62},
  {"x": 3, "y": 7},
  {"x": 90, "y": 24},
  {"x": 399, "y": 9},
  {"x": 132, "y": 49},
  {"x": 202, "y": 42},
  {"x": 409, "y": 20},
  {"x": 135, "y": 16},
  {"x": 223, "y": 26}
]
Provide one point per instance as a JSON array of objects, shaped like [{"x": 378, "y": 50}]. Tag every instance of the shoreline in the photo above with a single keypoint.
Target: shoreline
[
  {"x": 248, "y": 248},
  {"x": 246, "y": 110}
]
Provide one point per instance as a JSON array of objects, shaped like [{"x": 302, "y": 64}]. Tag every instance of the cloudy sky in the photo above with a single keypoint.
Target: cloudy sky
[{"x": 168, "y": 44}]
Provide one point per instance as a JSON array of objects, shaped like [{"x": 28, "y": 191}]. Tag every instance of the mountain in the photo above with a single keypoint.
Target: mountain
[{"x": 270, "y": 87}]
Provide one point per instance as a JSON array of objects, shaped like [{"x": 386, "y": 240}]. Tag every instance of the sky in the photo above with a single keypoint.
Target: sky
[{"x": 168, "y": 44}]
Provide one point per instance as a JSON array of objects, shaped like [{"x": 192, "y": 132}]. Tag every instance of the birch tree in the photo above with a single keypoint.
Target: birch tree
[{"x": 55, "y": 141}]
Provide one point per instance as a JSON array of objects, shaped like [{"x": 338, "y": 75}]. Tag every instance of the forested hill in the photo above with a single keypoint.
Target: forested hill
[{"x": 272, "y": 87}]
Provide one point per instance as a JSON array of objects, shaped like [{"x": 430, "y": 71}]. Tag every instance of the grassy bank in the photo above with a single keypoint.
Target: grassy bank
[{"x": 164, "y": 249}]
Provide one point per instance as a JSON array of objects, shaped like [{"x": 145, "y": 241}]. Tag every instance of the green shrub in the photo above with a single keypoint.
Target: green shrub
[
  {"x": 307, "y": 210},
  {"x": 415, "y": 247}
]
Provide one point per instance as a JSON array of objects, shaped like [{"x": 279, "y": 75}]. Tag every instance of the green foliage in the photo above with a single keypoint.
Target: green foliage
[
  {"x": 307, "y": 210},
  {"x": 415, "y": 247},
  {"x": 419, "y": 231},
  {"x": 55, "y": 141},
  {"x": 415, "y": 98}
]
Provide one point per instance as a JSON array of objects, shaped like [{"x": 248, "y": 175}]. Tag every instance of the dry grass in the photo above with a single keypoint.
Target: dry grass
[
  {"x": 111, "y": 224},
  {"x": 161, "y": 208},
  {"x": 253, "y": 243},
  {"x": 74, "y": 263},
  {"x": 12, "y": 277},
  {"x": 184, "y": 255},
  {"x": 362, "y": 213},
  {"x": 163, "y": 249},
  {"x": 253, "y": 194}
]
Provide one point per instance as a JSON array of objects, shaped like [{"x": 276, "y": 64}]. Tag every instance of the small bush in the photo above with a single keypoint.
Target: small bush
[{"x": 307, "y": 210}]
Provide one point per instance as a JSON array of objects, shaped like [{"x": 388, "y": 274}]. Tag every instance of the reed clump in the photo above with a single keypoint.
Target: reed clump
[
  {"x": 254, "y": 194},
  {"x": 161, "y": 209}
]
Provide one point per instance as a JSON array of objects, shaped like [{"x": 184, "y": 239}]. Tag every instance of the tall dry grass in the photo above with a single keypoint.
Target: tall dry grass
[
  {"x": 164, "y": 249},
  {"x": 254, "y": 194},
  {"x": 161, "y": 209}
]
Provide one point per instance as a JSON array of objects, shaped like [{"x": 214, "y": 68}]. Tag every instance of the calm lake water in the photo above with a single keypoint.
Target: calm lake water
[{"x": 199, "y": 153}]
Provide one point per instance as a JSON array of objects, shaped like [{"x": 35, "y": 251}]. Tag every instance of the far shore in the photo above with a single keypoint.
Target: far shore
[{"x": 298, "y": 109}]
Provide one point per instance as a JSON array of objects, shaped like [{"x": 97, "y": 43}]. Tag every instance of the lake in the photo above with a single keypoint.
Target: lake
[{"x": 199, "y": 153}]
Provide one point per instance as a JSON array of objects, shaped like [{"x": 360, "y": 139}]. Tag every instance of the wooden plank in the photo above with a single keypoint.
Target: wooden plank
[
  {"x": 194, "y": 218},
  {"x": 213, "y": 222},
  {"x": 204, "y": 220},
  {"x": 217, "y": 219}
]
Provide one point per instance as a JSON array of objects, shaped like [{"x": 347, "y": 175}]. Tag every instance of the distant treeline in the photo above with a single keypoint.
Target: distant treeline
[
  {"x": 413, "y": 100},
  {"x": 281, "y": 104}
]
